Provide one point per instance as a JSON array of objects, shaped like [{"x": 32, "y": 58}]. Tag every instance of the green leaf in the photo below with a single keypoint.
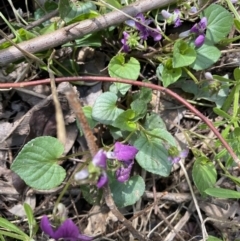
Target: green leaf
[
  {"x": 222, "y": 193},
  {"x": 236, "y": 74},
  {"x": 49, "y": 28},
  {"x": 169, "y": 74},
  {"x": 115, "y": 133},
  {"x": 233, "y": 139},
  {"x": 105, "y": 108},
  {"x": 145, "y": 94},
  {"x": 24, "y": 35},
  {"x": 88, "y": 15},
  {"x": 237, "y": 24},
  {"x": 139, "y": 107},
  {"x": 13, "y": 235},
  {"x": 69, "y": 10},
  {"x": 152, "y": 155},
  {"x": 211, "y": 238},
  {"x": 204, "y": 92},
  {"x": 120, "y": 68},
  {"x": 125, "y": 121},
  {"x": 140, "y": 102},
  {"x": 127, "y": 193},
  {"x": 154, "y": 121},
  {"x": 12, "y": 228},
  {"x": 222, "y": 113},
  {"x": 207, "y": 55},
  {"x": 204, "y": 174},
  {"x": 163, "y": 134},
  {"x": 219, "y": 24},
  {"x": 49, "y": 6},
  {"x": 183, "y": 54},
  {"x": 91, "y": 194},
  {"x": 37, "y": 164},
  {"x": 236, "y": 180},
  {"x": 89, "y": 40},
  {"x": 114, "y": 3},
  {"x": 88, "y": 114},
  {"x": 119, "y": 88},
  {"x": 30, "y": 217}
]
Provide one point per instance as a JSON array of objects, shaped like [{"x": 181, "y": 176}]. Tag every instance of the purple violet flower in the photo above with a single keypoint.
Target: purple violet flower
[
  {"x": 97, "y": 170},
  {"x": 144, "y": 31},
  {"x": 124, "y": 42},
  {"x": 123, "y": 172},
  {"x": 131, "y": 41},
  {"x": 175, "y": 156},
  {"x": 102, "y": 180},
  {"x": 100, "y": 159},
  {"x": 173, "y": 17},
  {"x": 193, "y": 10},
  {"x": 125, "y": 154},
  {"x": 199, "y": 30},
  {"x": 67, "y": 230},
  {"x": 122, "y": 152},
  {"x": 208, "y": 76},
  {"x": 83, "y": 174}
]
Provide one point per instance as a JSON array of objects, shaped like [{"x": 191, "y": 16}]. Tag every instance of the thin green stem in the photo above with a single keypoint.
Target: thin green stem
[
  {"x": 191, "y": 75},
  {"x": 236, "y": 106},
  {"x": 233, "y": 9}
]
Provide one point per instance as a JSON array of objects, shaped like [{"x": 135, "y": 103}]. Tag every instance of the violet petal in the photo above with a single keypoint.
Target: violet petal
[
  {"x": 208, "y": 76},
  {"x": 184, "y": 153},
  {"x": 174, "y": 160},
  {"x": 81, "y": 175},
  {"x": 199, "y": 40},
  {"x": 166, "y": 14},
  {"x": 143, "y": 33},
  {"x": 103, "y": 179},
  {"x": 67, "y": 230},
  {"x": 126, "y": 47},
  {"x": 124, "y": 152},
  {"x": 130, "y": 23},
  {"x": 177, "y": 22},
  {"x": 193, "y": 9},
  {"x": 46, "y": 226},
  {"x": 123, "y": 173},
  {"x": 100, "y": 159},
  {"x": 155, "y": 34},
  {"x": 83, "y": 237},
  {"x": 142, "y": 29},
  {"x": 195, "y": 29},
  {"x": 203, "y": 23}
]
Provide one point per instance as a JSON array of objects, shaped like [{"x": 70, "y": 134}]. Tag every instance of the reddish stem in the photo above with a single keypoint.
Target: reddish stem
[{"x": 143, "y": 84}]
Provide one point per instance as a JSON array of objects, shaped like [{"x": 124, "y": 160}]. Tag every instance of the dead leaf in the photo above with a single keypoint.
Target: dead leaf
[
  {"x": 18, "y": 209},
  {"x": 98, "y": 220}
]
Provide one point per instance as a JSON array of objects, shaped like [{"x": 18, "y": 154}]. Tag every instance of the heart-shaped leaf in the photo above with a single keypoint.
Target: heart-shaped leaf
[
  {"x": 125, "y": 121},
  {"x": 152, "y": 155},
  {"x": 119, "y": 68},
  {"x": 204, "y": 174},
  {"x": 70, "y": 11},
  {"x": 105, "y": 109},
  {"x": 219, "y": 22},
  {"x": 183, "y": 54},
  {"x": 127, "y": 193},
  {"x": 207, "y": 55},
  {"x": 37, "y": 164}
]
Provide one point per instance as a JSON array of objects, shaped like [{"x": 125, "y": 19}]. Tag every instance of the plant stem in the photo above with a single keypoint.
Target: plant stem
[{"x": 137, "y": 83}]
